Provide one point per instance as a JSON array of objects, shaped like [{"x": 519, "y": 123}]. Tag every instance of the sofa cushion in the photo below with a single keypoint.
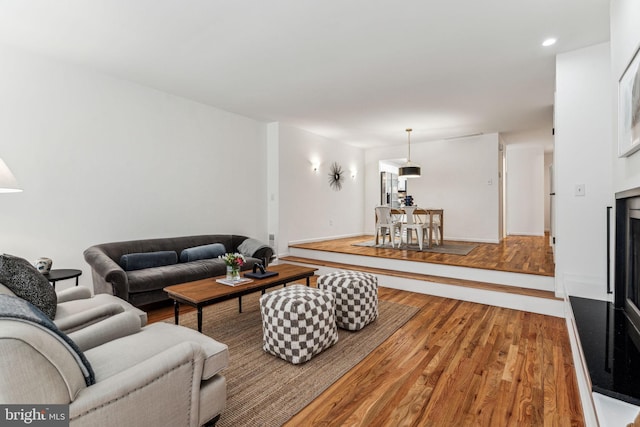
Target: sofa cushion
[
  {"x": 6, "y": 291},
  {"x": 196, "y": 253},
  {"x": 112, "y": 357},
  {"x": 157, "y": 278},
  {"x": 139, "y": 261},
  {"x": 76, "y": 314},
  {"x": 26, "y": 282}
]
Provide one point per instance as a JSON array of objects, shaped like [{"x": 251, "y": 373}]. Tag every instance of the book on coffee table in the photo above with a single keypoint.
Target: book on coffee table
[{"x": 236, "y": 282}]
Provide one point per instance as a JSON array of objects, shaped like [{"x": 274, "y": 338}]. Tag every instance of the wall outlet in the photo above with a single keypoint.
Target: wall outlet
[
  {"x": 579, "y": 190},
  {"x": 330, "y": 222}
]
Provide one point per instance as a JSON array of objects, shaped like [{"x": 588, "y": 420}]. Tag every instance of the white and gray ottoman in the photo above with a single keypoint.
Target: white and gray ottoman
[
  {"x": 356, "y": 296},
  {"x": 298, "y": 322}
]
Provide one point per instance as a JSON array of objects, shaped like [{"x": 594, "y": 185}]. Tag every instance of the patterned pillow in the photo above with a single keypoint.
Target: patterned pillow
[{"x": 26, "y": 282}]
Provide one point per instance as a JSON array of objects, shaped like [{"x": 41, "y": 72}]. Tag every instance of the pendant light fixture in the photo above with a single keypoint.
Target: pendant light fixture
[{"x": 410, "y": 170}]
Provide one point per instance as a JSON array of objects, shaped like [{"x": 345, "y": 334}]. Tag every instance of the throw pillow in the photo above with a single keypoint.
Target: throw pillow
[
  {"x": 249, "y": 247},
  {"x": 26, "y": 282},
  {"x": 139, "y": 261},
  {"x": 213, "y": 250}
]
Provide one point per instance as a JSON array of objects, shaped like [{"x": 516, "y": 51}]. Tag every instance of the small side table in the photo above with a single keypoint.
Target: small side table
[{"x": 63, "y": 274}]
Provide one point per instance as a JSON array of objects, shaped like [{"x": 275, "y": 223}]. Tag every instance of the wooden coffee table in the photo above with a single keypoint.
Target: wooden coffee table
[{"x": 202, "y": 293}]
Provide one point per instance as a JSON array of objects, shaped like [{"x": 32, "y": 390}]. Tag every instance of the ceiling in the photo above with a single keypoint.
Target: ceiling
[{"x": 358, "y": 71}]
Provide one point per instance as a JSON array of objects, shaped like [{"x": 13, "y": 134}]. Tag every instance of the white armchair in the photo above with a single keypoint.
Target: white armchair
[{"x": 161, "y": 374}]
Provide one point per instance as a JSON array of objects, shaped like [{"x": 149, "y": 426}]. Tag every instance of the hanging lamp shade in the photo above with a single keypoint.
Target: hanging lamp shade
[
  {"x": 409, "y": 170},
  {"x": 8, "y": 183}
]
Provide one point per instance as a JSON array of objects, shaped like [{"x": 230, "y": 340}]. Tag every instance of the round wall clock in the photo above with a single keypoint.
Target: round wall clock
[{"x": 336, "y": 176}]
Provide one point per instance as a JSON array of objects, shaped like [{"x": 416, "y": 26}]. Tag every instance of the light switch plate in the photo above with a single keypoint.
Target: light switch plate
[{"x": 579, "y": 190}]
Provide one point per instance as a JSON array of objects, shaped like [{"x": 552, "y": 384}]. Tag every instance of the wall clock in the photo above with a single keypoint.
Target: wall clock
[{"x": 336, "y": 176}]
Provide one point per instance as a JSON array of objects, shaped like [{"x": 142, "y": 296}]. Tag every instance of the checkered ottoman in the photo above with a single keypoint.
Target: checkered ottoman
[
  {"x": 356, "y": 296},
  {"x": 298, "y": 322}
]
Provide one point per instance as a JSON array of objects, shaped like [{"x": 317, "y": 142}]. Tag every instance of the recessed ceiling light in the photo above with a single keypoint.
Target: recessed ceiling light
[{"x": 549, "y": 42}]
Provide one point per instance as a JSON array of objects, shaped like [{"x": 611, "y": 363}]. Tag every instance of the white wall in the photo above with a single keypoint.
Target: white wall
[
  {"x": 625, "y": 40},
  {"x": 525, "y": 189},
  {"x": 523, "y": 175},
  {"x": 309, "y": 209},
  {"x": 459, "y": 176},
  {"x": 582, "y": 152},
  {"x": 102, "y": 160}
]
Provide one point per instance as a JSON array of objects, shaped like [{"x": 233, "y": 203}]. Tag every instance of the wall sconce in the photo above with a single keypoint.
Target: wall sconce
[
  {"x": 315, "y": 166},
  {"x": 353, "y": 173},
  {"x": 8, "y": 183}
]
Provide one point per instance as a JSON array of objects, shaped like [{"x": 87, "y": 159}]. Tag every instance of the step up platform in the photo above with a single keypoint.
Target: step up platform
[{"x": 527, "y": 292}]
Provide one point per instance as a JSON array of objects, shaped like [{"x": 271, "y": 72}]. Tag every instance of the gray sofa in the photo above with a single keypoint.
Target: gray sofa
[{"x": 144, "y": 286}]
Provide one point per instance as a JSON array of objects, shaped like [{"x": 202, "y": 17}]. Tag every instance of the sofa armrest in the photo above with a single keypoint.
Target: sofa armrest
[
  {"x": 109, "y": 271},
  {"x": 162, "y": 390},
  {"x": 265, "y": 254},
  {"x": 256, "y": 249},
  {"x": 88, "y": 317},
  {"x": 72, "y": 294},
  {"x": 112, "y": 328},
  {"x": 36, "y": 367}
]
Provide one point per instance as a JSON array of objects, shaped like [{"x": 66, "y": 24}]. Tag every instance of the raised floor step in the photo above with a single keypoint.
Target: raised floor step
[
  {"x": 514, "y": 297},
  {"x": 427, "y": 278},
  {"x": 426, "y": 268}
]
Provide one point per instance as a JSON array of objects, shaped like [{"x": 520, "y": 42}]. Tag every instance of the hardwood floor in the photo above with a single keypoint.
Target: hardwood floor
[
  {"x": 458, "y": 364},
  {"x": 455, "y": 363},
  {"x": 517, "y": 254}
]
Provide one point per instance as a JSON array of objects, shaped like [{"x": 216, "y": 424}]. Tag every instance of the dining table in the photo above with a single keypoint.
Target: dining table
[{"x": 424, "y": 212}]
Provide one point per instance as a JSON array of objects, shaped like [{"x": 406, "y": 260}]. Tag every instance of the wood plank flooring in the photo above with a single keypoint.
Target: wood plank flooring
[
  {"x": 455, "y": 363},
  {"x": 458, "y": 364},
  {"x": 517, "y": 254}
]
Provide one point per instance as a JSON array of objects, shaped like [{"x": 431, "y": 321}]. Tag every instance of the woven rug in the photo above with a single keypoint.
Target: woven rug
[
  {"x": 446, "y": 248},
  {"x": 263, "y": 390}
]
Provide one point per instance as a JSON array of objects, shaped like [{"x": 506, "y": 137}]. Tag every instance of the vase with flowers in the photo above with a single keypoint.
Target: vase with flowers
[{"x": 233, "y": 261}]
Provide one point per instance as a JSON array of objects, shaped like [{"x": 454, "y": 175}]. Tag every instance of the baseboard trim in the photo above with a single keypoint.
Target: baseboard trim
[{"x": 321, "y": 239}]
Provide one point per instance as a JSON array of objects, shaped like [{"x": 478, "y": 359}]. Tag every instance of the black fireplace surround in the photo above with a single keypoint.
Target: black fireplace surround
[
  {"x": 627, "y": 266},
  {"x": 609, "y": 332}
]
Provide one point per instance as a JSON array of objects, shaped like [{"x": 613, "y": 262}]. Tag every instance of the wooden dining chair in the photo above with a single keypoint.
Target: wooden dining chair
[{"x": 385, "y": 224}]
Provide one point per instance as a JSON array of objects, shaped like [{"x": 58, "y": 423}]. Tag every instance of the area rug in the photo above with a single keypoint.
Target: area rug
[
  {"x": 263, "y": 390},
  {"x": 446, "y": 248}
]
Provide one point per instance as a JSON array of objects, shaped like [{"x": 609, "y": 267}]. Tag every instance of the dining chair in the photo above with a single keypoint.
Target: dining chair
[
  {"x": 385, "y": 224},
  {"x": 434, "y": 228},
  {"x": 411, "y": 224}
]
